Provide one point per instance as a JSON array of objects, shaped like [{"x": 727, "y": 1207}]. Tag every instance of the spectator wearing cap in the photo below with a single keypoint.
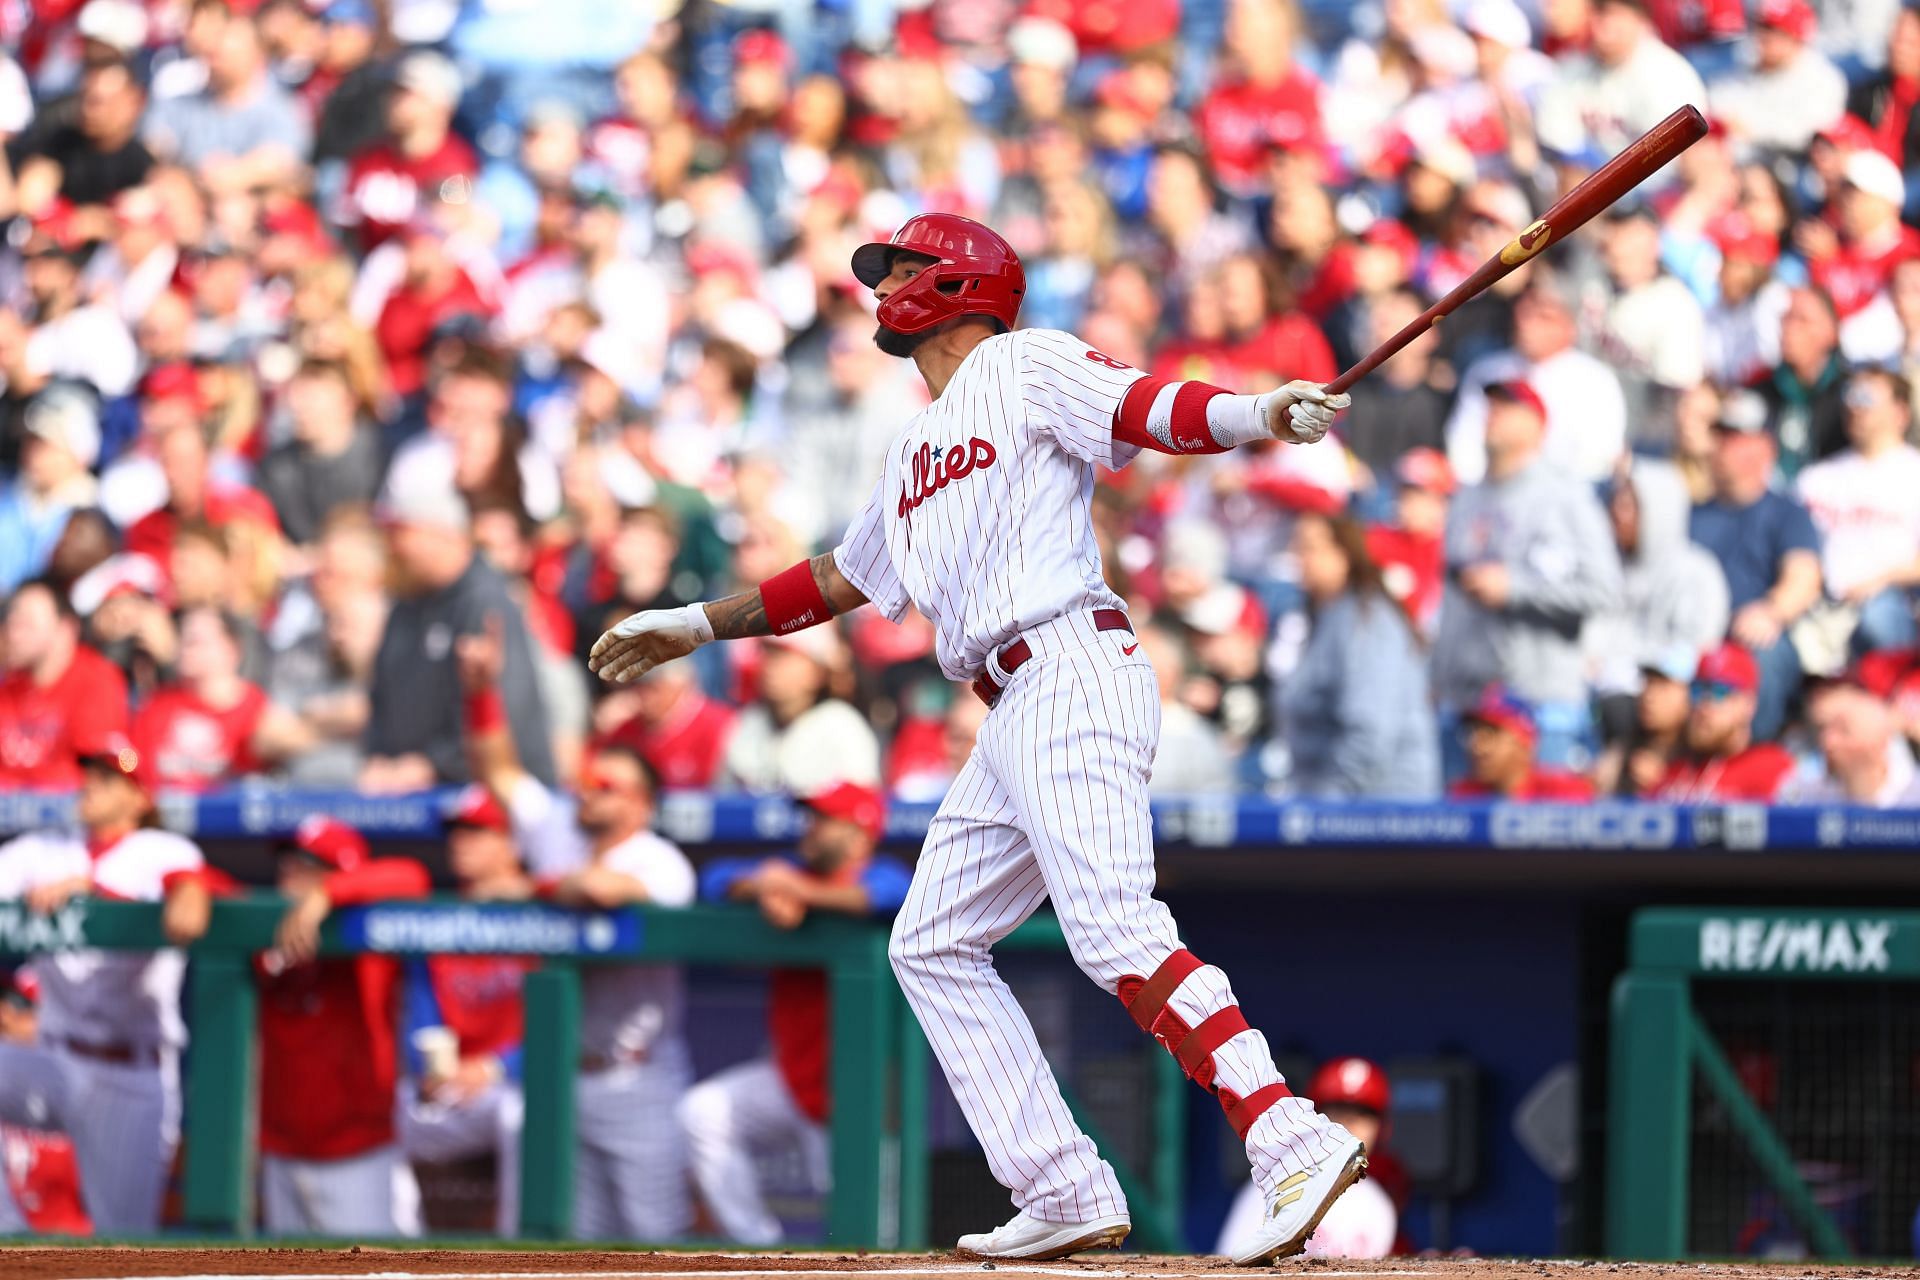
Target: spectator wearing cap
[
  {"x": 468, "y": 1103},
  {"x": 1654, "y": 332},
  {"x": 1767, "y": 548},
  {"x": 106, "y": 1068},
  {"x": 434, "y": 288},
  {"x": 242, "y": 130},
  {"x": 1356, "y": 711},
  {"x": 328, "y": 1059},
  {"x": 447, "y": 593},
  {"x": 62, "y": 334},
  {"x": 55, "y": 479},
  {"x": 1885, "y": 97},
  {"x": 1355, "y": 1094},
  {"x": 332, "y": 459},
  {"x": 1791, "y": 92},
  {"x": 1411, "y": 548},
  {"x": 1674, "y": 596},
  {"x": 1529, "y": 561},
  {"x": 1854, "y": 264},
  {"x": 92, "y": 158},
  {"x": 1866, "y": 760},
  {"x": 1721, "y": 757},
  {"x": 1742, "y": 337},
  {"x": 1626, "y": 83},
  {"x": 1586, "y": 411},
  {"x": 1804, "y": 394},
  {"x": 1501, "y": 742},
  {"x": 1865, "y": 504},
  {"x": 211, "y": 726},
  {"x": 796, "y": 729},
  {"x": 1643, "y": 735},
  {"x": 780, "y": 1102},
  {"x": 1402, "y": 409},
  {"x": 1223, "y": 628},
  {"x": 39, "y": 1177},
  {"x": 55, "y": 692},
  {"x": 421, "y": 160},
  {"x": 1041, "y": 57}
]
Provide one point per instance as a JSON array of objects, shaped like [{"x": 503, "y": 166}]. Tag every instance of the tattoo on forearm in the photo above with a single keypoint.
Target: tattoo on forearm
[{"x": 739, "y": 616}]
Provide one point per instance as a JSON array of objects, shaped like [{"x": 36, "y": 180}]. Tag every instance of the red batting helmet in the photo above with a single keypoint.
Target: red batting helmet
[
  {"x": 975, "y": 273},
  {"x": 1352, "y": 1082}
]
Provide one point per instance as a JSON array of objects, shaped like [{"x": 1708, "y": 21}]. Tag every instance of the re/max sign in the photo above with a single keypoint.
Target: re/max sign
[
  {"x": 23, "y": 931},
  {"x": 1762, "y": 944}
]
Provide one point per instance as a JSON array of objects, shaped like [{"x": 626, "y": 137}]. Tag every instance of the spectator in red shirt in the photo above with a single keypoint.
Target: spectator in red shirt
[
  {"x": 1266, "y": 338},
  {"x": 1411, "y": 551},
  {"x": 677, "y": 729},
  {"x": 1501, "y": 736},
  {"x": 211, "y": 726},
  {"x": 421, "y": 159},
  {"x": 56, "y": 693},
  {"x": 328, "y": 1061},
  {"x": 1855, "y": 265},
  {"x": 1268, "y": 102},
  {"x": 1722, "y": 761},
  {"x": 434, "y": 288},
  {"x": 193, "y": 494},
  {"x": 771, "y": 1103}
]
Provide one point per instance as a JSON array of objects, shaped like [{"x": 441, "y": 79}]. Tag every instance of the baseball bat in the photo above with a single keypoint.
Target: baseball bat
[{"x": 1643, "y": 157}]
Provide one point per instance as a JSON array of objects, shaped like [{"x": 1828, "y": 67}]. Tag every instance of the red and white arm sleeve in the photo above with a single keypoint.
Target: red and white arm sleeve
[{"x": 1187, "y": 417}]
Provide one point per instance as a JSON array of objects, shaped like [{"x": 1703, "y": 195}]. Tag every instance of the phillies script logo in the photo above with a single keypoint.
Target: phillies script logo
[{"x": 931, "y": 471}]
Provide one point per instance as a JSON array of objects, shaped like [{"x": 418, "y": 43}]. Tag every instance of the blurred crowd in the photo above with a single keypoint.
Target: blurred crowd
[{"x": 339, "y": 331}]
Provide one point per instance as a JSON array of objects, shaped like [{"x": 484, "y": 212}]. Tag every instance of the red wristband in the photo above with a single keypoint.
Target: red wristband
[
  {"x": 486, "y": 711},
  {"x": 793, "y": 600}
]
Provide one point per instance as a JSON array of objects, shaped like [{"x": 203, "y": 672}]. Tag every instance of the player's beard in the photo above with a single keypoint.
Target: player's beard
[{"x": 895, "y": 343}]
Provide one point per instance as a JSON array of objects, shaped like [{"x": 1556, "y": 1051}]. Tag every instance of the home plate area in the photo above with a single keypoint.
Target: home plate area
[{"x": 131, "y": 1263}]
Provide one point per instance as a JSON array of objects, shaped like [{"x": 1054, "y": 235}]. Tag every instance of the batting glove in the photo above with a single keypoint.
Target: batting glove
[
  {"x": 644, "y": 640},
  {"x": 1301, "y": 412}
]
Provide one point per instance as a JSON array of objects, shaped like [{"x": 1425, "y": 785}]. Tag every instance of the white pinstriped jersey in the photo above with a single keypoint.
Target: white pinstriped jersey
[
  {"x": 983, "y": 518},
  {"x": 106, "y": 997}
]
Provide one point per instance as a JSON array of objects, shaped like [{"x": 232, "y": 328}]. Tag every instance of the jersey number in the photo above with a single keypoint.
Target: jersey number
[{"x": 1107, "y": 360}]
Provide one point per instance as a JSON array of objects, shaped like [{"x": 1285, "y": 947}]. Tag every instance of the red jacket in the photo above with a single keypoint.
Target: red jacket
[{"x": 328, "y": 1053}]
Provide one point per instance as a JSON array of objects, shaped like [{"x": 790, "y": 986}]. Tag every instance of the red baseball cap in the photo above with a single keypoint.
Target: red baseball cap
[
  {"x": 761, "y": 45},
  {"x": 1390, "y": 233},
  {"x": 851, "y": 802},
  {"x": 1730, "y": 665},
  {"x": 1502, "y": 710},
  {"x": 1352, "y": 1082},
  {"x": 111, "y": 753},
  {"x": 1881, "y": 672},
  {"x": 177, "y": 381},
  {"x": 1518, "y": 391},
  {"x": 1738, "y": 238},
  {"x": 1424, "y": 468},
  {"x": 476, "y": 806},
  {"x": 1795, "y": 17},
  {"x": 25, "y": 986},
  {"x": 1849, "y": 133},
  {"x": 329, "y": 840}
]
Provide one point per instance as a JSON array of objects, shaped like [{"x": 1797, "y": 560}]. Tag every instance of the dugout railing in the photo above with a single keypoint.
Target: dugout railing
[
  {"x": 879, "y": 1086},
  {"x": 1739, "y": 1042}
]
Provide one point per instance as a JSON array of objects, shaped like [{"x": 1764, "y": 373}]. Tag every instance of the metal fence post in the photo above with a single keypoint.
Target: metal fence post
[
  {"x": 552, "y": 995},
  {"x": 1647, "y": 1116},
  {"x": 220, "y": 1095}
]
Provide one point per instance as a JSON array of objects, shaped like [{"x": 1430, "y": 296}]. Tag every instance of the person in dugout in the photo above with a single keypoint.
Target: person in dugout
[
  {"x": 781, "y": 1100},
  {"x": 329, "y": 1164},
  {"x": 465, "y": 1019},
  {"x": 41, "y": 1191},
  {"x": 1363, "y": 1223}
]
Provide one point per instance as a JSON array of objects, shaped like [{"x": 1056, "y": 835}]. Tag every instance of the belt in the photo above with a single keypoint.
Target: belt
[
  {"x": 593, "y": 1063},
  {"x": 125, "y": 1055},
  {"x": 1015, "y": 653}
]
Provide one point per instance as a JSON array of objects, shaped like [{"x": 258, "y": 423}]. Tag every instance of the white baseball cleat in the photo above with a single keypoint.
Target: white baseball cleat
[
  {"x": 1029, "y": 1238},
  {"x": 1300, "y": 1201}
]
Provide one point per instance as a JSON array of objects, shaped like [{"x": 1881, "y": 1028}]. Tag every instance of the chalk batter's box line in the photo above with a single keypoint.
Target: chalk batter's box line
[{"x": 1011, "y": 1270}]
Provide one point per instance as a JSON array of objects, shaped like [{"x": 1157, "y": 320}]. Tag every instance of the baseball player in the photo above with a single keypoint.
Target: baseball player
[
  {"x": 105, "y": 1070},
  {"x": 475, "y": 1107},
  {"x": 1362, "y": 1224},
  {"x": 329, "y": 1164},
  {"x": 982, "y": 521},
  {"x": 781, "y": 1100},
  {"x": 629, "y": 1152},
  {"x": 36, "y": 1166}
]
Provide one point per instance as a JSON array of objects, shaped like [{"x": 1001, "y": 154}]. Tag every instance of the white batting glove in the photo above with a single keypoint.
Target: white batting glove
[
  {"x": 642, "y": 641},
  {"x": 1300, "y": 412}
]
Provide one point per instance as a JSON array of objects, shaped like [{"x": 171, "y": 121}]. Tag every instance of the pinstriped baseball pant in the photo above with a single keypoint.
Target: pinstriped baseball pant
[{"x": 1053, "y": 804}]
